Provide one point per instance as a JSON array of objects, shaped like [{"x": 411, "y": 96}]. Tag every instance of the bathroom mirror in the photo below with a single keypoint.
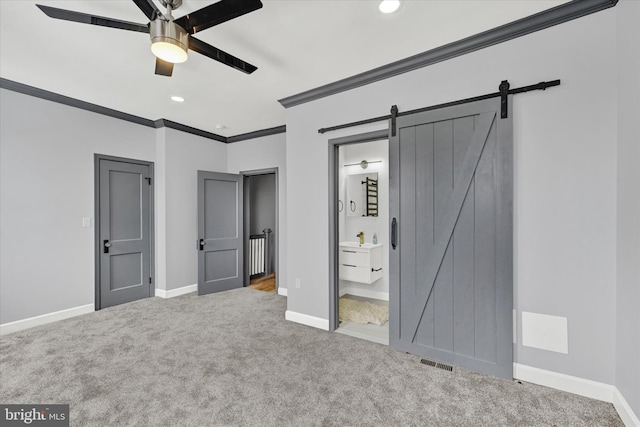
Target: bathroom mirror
[{"x": 362, "y": 195}]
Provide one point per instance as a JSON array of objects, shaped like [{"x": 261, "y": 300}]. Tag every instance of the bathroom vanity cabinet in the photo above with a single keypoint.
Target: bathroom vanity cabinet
[{"x": 360, "y": 262}]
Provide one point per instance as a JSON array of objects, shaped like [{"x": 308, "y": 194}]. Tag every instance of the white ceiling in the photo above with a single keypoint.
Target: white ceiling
[{"x": 297, "y": 45}]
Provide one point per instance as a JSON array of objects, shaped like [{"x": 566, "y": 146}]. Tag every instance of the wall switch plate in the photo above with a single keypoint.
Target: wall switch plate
[
  {"x": 297, "y": 283},
  {"x": 86, "y": 222}
]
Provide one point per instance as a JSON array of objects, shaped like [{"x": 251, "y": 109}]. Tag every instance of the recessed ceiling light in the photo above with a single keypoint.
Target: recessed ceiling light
[
  {"x": 220, "y": 127},
  {"x": 389, "y": 6},
  {"x": 177, "y": 98}
]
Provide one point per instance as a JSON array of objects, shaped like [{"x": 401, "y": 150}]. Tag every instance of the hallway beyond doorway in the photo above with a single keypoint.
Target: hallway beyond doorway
[{"x": 264, "y": 283}]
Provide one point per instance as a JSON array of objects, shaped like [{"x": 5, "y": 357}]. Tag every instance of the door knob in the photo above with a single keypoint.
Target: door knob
[
  {"x": 201, "y": 243},
  {"x": 107, "y": 245}
]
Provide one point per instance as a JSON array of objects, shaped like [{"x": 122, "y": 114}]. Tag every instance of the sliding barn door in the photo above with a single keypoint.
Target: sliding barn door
[
  {"x": 451, "y": 269},
  {"x": 220, "y": 231}
]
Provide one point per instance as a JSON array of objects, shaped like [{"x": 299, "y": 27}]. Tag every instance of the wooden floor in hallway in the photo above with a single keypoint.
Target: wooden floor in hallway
[{"x": 265, "y": 283}]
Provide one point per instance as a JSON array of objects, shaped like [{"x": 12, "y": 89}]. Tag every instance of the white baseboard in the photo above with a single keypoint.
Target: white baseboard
[
  {"x": 282, "y": 291},
  {"x": 43, "y": 319},
  {"x": 575, "y": 385},
  {"x": 624, "y": 410},
  {"x": 580, "y": 386},
  {"x": 176, "y": 292},
  {"x": 365, "y": 293},
  {"x": 305, "y": 319}
]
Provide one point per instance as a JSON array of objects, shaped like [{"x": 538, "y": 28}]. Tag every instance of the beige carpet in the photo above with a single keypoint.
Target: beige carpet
[{"x": 363, "y": 312}]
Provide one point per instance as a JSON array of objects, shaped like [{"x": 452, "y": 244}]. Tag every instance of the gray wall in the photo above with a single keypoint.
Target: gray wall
[
  {"x": 565, "y": 179},
  {"x": 628, "y": 246},
  {"x": 263, "y": 207},
  {"x": 46, "y": 184},
  {"x": 186, "y": 154},
  {"x": 46, "y": 188}
]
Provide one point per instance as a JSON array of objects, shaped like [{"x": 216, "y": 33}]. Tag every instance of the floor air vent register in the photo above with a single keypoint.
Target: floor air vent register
[{"x": 437, "y": 365}]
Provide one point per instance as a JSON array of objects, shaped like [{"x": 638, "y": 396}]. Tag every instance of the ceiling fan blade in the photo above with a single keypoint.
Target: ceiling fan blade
[
  {"x": 84, "y": 18},
  {"x": 220, "y": 56},
  {"x": 148, "y": 8},
  {"x": 164, "y": 68},
  {"x": 217, "y": 13}
]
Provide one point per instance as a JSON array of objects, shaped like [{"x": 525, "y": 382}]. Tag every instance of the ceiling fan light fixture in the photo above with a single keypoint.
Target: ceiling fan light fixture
[
  {"x": 169, "y": 42},
  {"x": 389, "y": 6},
  {"x": 169, "y": 51}
]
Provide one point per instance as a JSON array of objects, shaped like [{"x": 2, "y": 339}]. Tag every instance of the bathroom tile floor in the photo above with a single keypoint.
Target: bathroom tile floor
[{"x": 370, "y": 332}]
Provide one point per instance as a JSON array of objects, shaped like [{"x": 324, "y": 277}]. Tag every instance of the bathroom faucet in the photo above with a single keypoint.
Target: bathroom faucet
[{"x": 361, "y": 236}]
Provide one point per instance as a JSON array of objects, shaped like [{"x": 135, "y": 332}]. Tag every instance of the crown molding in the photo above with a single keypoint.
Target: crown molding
[
  {"x": 257, "y": 134},
  {"x": 160, "y": 123},
  {"x": 72, "y": 102},
  {"x": 539, "y": 21}
]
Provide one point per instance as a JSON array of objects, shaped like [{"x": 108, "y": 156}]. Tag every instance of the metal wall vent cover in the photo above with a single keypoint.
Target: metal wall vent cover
[{"x": 437, "y": 365}]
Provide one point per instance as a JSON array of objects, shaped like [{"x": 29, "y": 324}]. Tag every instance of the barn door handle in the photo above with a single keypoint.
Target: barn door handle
[
  {"x": 106, "y": 245},
  {"x": 394, "y": 233},
  {"x": 201, "y": 244}
]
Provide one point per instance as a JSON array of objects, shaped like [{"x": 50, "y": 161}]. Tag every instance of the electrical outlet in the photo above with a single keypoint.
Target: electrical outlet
[{"x": 297, "y": 283}]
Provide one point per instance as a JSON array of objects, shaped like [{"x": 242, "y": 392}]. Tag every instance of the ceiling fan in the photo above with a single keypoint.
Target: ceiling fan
[{"x": 171, "y": 38}]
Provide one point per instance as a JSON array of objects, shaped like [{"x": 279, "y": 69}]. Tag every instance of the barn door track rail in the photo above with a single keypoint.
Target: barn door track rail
[{"x": 503, "y": 92}]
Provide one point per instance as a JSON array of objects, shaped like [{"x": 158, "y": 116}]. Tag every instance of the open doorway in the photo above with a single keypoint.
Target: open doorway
[
  {"x": 362, "y": 243},
  {"x": 261, "y": 229}
]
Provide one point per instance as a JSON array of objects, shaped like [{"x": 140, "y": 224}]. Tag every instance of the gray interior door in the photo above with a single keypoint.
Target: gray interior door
[
  {"x": 451, "y": 294},
  {"x": 220, "y": 232},
  {"x": 124, "y": 232}
]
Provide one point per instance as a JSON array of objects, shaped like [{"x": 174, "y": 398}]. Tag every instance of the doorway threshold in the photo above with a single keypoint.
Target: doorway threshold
[{"x": 369, "y": 332}]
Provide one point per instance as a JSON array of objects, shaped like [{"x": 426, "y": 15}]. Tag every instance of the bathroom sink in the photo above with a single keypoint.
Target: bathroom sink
[{"x": 358, "y": 245}]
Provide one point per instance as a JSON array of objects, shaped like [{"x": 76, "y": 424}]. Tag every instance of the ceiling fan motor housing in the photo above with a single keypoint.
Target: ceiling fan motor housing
[
  {"x": 162, "y": 31},
  {"x": 173, "y": 3}
]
